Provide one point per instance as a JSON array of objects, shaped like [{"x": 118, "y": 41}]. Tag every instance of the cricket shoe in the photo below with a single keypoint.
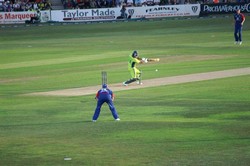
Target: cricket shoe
[
  {"x": 124, "y": 83},
  {"x": 118, "y": 119},
  {"x": 139, "y": 83},
  {"x": 240, "y": 43},
  {"x": 93, "y": 120}
]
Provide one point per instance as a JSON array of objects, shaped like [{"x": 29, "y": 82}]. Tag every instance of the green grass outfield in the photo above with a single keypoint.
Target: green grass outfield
[{"x": 199, "y": 123}]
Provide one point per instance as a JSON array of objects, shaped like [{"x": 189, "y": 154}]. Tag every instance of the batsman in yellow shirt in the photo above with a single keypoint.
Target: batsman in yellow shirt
[{"x": 134, "y": 72}]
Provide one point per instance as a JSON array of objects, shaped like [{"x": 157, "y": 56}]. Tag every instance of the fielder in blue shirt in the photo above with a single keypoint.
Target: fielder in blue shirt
[
  {"x": 105, "y": 95},
  {"x": 239, "y": 20}
]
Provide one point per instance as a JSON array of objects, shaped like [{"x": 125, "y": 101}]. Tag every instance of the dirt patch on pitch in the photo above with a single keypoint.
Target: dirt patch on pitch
[{"x": 149, "y": 83}]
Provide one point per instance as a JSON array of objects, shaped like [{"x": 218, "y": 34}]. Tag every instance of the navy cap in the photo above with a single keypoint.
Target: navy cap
[{"x": 104, "y": 86}]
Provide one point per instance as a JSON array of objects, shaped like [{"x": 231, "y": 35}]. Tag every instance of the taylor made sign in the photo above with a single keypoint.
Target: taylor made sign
[
  {"x": 224, "y": 8},
  {"x": 80, "y": 15},
  {"x": 92, "y": 14}
]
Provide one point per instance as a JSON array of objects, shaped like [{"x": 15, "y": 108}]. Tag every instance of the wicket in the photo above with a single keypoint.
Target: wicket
[{"x": 104, "y": 77}]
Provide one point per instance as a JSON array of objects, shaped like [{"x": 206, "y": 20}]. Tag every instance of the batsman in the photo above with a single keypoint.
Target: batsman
[
  {"x": 134, "y": 71},
  {"x": 136, "y": 74}
]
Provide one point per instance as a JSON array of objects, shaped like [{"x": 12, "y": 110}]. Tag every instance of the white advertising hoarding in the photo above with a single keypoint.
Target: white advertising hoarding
[
  {"x": 165, "y": 11},
  {"x": 79, "y": 15},
  {"x": 21, "y": 17},
  {"x": 102, "y": 14}
]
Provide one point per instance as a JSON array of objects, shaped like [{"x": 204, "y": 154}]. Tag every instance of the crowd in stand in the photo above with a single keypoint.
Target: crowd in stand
[
  {"x": 30, "y": 5},
  {"x": 86, "y": 4},
  {"x": 24, "y": 5}
]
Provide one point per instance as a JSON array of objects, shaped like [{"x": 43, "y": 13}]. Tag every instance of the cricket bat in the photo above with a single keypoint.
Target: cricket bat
[
  {"x": 153, "y": 59},
  {"x": 150, "y": 59}
]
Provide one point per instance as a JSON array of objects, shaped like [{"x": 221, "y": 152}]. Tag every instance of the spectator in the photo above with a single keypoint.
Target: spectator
[
  {"x": 74, "y": 4},
  {"x": 181, "y": 2},
  {"x": 1, "y": 5},
  {"x": 118, "y": 3},
  {"x": 138, "y": 3},
  {"x": 109, "y": 3},
  {"x": 35, "y": 6},
  {"x": 47, "y": 5},
  {"x": 169, "y": 2},
  {"x": 98, "y": 4},
  {"x": 174, "y": 2},
  {"x": 22, "y": 6},
  {"x": 150, "y": 2},
  {"x": 37, "y": 17},
  {"x": 130, "y": 3},
  {"x": 28, "y": 6},
  {"x": 144, "y": 2},
  {"x": 124, "y": 15},
  {"x": 80, "y": 4},
  {"x": 157, "y": 2},
  {"x": 65, "y": 4},
  {"x": 7, "y": 6},
  {"x": 16, "y": 7},
  {"x": 86, "y": 4},
  {"x": 92, "y": 4}
]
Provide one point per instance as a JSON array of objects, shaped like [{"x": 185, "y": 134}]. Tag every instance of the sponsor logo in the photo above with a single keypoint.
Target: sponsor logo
[
  {"x": 226, "y": 8},
  {"x": 159, "y": 9},
  {"x": 45, "y": 16},
  {"x": 17, "y": 16},
  {"x": 194, "y": 8},
  {"x": 88, "y": 14},
  {"x": 131, "y": 12}
]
